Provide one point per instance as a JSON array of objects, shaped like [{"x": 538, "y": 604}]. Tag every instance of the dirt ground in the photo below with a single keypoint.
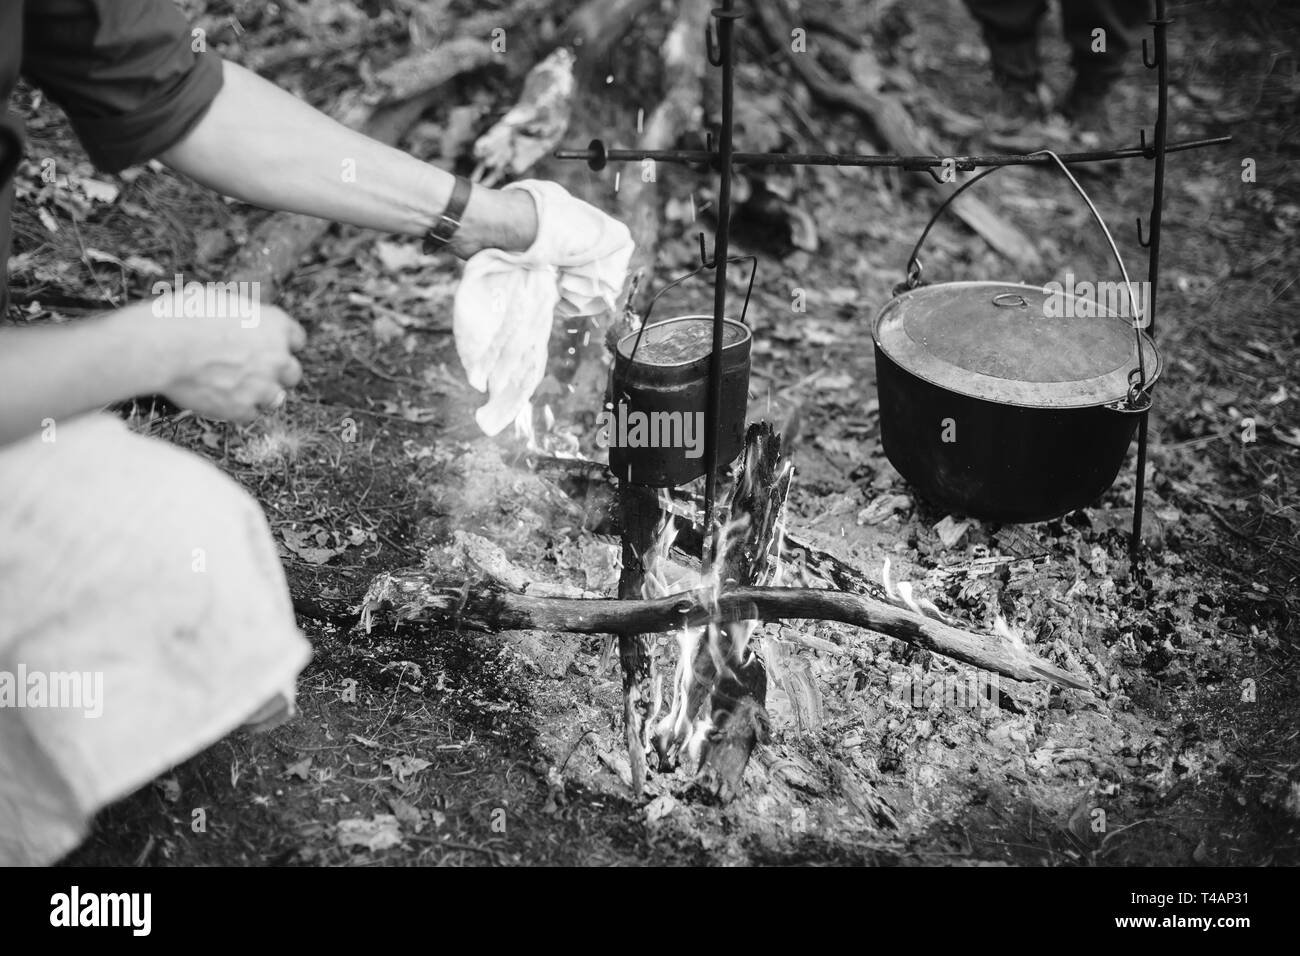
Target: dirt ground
[{"x": 419, "y": 747}]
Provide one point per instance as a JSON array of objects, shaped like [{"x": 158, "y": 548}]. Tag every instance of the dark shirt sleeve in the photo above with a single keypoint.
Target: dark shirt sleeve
[{"x": 123, "y": 71}]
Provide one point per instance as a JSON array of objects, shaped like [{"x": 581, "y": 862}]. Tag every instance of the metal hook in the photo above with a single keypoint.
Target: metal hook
[
  {"x": 933, "y": 175},
  {"x": 710, "y": 47},
  {"x": 705, "y": 261},
  {"x": 1144, "y": 243},
  {"x": 1146, "y": 61},
  {"x": 1148, "y": 152}
]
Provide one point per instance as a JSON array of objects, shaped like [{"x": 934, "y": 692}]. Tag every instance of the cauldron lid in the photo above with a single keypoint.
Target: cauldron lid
[{"x": 1014, "y": 343}]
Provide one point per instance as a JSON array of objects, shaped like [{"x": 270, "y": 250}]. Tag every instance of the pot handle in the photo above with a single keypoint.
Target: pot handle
[
  {"x": 1138, "y": 391},
  {"x": 645, "y": 319},
  {"x": 753, "y": 260}
]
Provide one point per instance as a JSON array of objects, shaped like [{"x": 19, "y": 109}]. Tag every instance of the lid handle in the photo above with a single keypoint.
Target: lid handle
[{"x": 1006, "y": 300}]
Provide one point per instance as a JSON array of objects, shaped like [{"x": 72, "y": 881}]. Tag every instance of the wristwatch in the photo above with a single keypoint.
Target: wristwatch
[{"x": 436, "y": 239}]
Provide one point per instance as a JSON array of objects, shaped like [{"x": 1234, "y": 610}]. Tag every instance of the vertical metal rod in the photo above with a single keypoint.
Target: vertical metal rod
[
  {"x": 1160, "y": 26},
  {"x": 726, "y": 23}
]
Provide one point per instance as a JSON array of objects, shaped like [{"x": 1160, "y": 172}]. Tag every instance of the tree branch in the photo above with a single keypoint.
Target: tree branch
[{"x": 415, "y": 595}]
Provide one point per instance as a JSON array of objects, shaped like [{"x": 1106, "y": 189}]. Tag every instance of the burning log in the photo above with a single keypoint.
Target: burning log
[
  {"x": 724, "y": 667},
  {"x": 640, "y": 511},
  {"x": 421, "y": 596}
]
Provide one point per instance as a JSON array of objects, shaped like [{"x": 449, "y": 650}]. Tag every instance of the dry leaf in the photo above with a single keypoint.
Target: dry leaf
[
  {"x": 884, "y": 507},
  {"x": 170, "y": 788},
  {"x": 951, "y": 531},
  {"x": 660, "y": 807},
  {"x": 386, "y": 328},
  {"x": 404, "y": 766},
  {"x": 143, "y": 266},
  {"x": 408, "y": 815},
  {"x": 308, "y": 544},
  {"x": 397, "y": 256},
  {"x": 97, "y": 191},
  {"x": 831, "y": 383},
  {"x": 378, "y": 833}
]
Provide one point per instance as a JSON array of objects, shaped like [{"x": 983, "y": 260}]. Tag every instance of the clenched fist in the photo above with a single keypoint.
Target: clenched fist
[{"x": 230, "y": 366}]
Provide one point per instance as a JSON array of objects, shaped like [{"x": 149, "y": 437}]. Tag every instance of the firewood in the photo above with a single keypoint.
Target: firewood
[
  {"x": 737, "y": 715},
  {"x": 640, "y": 512},
  {"x": 420, "y": 596}
]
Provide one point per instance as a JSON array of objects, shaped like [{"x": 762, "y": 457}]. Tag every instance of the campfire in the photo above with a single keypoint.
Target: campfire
[{"x": 713, "y": 714}]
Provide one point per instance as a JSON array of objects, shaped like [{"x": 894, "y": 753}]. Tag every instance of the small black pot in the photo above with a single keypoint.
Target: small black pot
[{"x": 669, "y": 397}]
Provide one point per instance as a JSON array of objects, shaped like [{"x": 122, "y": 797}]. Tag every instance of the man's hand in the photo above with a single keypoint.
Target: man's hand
[
  {"x": 504, "y": 219},
  {"x": 220, "y": 366}
]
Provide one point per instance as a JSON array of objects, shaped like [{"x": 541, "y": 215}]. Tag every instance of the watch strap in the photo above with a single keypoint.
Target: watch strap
[{"x": 436, "y": 239}]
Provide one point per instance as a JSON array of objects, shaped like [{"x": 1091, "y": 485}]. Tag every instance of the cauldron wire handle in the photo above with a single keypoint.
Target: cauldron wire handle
[
  {"x": 914, "y": 263},
  {"x": 1142, "y": 386},
  {"x": 645, "y": 319}
]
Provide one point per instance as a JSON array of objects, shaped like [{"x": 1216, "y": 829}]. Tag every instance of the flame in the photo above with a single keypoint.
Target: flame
[
  {"x": 655, "y": 560},
  {"x": 675, "y": 725},
  {"x": 904, "y": 592},
  {"x": 551, "y": 441},
  {"x": 1005, "y": 631},
  {"x": 679, "y": 729},
  {"x": 524, "y": 427},
  {"x": 779, "y": 540}
]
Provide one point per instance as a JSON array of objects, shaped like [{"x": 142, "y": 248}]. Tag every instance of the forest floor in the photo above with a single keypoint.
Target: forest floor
[{"x": 423, "y": 747}]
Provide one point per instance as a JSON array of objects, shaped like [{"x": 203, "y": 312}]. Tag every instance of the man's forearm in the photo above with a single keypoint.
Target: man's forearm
[
  {"x": 264, "y": 146},
  {"x": 55, "y": 372}
]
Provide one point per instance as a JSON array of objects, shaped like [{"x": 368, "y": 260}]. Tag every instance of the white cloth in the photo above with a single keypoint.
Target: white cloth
[
  {"x": 506, "y": 301},
  {"x": 127, "y": 558}
]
